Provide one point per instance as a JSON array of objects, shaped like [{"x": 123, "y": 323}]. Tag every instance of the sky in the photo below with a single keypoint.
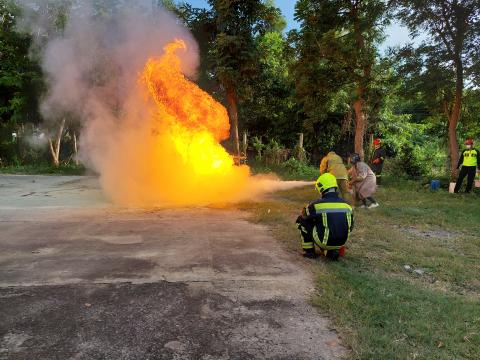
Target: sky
[{"x": 396, "y": 34}]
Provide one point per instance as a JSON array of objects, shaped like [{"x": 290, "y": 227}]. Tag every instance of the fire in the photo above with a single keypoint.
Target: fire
[
  {"x": 182, "y": 161},
  {"x": 196, "y": 122}
]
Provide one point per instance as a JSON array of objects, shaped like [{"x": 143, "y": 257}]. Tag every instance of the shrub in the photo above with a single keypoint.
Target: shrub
[
  {"x": 258, "y": 146},
  {"x": 275, "y": 153},
  {"x": 408, "y": 164},
  {"x": 294, "y": 169}
]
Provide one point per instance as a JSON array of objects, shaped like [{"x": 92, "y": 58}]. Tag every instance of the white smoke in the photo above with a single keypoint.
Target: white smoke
[
  {"x": 36, "y": 140},
  {"x": 98, "y": 57},
  {"x": 92, "y": 65}
]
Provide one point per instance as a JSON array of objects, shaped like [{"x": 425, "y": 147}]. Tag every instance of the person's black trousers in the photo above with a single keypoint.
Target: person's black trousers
[
  {"x": 377, "y": 169},
  {"x": 468, "y": 171}
]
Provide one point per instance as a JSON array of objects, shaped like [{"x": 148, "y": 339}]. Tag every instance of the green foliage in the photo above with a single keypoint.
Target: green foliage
[
  {"x": 20, "y": 76},
  {"x": 410, "y": 163},
  {"x": 469, "y": 126},
  {"x": 270, "y": 109},
  {"x": 274, "y": 153},
  {"x": 304, "y": 81},
  {"x": 441, "y": 66},
  {"x": 44, "y": 169},
  {"x": 233, "y": 49},
  {"x": 291, "y": 169},
  {"x": 295, "y": 169},
  {"x": 258, "y": 146},
  {"x": 336, "y": 49}
]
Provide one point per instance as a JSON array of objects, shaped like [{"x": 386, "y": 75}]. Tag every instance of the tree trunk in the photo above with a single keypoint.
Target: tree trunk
[
  {"x": 454, "y": 117},
  {"x": 55, "y": 144},
  {"x": 359, "y": 127},
  {"x": 360, "y": 122},
  {"x": 75, "y": 147},
  {"x": 233, "y": 114}
]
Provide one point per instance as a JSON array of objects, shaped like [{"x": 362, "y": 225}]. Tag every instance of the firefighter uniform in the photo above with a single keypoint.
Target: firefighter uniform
[
  {"x": 333, "y": 164},
  {"x": 327, "y": 223},
  {"x": 469, "y": 161}
]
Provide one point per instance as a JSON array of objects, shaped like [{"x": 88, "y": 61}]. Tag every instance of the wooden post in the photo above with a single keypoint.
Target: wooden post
[
  {"x": 299, "y": 153},
  {"x": 75, "y": 148},
  {"x": 245, "y": 143}
]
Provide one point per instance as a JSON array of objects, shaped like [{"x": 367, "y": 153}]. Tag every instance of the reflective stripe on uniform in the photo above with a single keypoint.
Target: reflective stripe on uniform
[
  {"x": 306, "y": 245},
  {"x": 326, "y": 231},
  {"x": 349, "y": 220},
  {"x": 321, "y": 208},
  {"x": 327, "y": 247},
  {"x": 315, "y": 237}
]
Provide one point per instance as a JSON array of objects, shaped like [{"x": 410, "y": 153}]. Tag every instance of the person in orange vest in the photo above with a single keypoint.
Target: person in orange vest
[
  {"x": 378, "y": 159},
  {"x": 469, "y": 161}
]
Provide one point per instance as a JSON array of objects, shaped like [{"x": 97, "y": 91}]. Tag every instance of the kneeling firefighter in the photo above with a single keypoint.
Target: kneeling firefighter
[{"x": 326, "y": 222}]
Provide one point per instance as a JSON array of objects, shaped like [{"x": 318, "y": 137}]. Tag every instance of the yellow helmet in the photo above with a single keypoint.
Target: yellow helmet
[{"x": 325, "y": 182}]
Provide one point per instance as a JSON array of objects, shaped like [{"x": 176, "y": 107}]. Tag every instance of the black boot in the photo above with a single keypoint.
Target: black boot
[
  {"x": 333, "y": 255},
  {"x": 310, "y": 254}
]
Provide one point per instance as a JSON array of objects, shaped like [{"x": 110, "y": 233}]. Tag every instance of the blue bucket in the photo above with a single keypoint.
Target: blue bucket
[{"x": 435, "y": 185}]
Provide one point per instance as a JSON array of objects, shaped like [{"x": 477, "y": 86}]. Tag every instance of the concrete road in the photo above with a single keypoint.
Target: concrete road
[{"x": 83, "y": 279}]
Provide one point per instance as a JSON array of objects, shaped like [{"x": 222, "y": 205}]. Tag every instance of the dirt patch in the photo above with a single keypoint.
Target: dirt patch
[{"x": 428, "y": 233}]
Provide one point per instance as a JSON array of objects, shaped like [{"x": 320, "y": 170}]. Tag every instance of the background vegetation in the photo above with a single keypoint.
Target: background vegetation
[{"x": 327, "y": 79}]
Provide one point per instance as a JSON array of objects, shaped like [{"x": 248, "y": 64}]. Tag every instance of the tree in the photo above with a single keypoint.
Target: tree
[
  {"x": 20, "y": 83},
  {"x": 55, "y": 143},
  {"x": 234, "y": 51},
  {"x": 270, "y": 110},
  {"x": 47, "y": 19},
  {"x": 447, "y": 57},
  {"x": 20, "y": 76},
  {"x": 264, "y": 94},
  {"x": 337, "y": 52}
]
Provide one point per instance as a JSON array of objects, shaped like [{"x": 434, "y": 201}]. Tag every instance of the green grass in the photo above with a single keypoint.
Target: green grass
[
  {"x": 44, "y": 170},
  {"x": 381, "y": 310}
]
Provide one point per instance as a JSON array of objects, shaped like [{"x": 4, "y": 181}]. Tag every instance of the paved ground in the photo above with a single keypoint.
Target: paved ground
[{"x": 82, "y": 279}]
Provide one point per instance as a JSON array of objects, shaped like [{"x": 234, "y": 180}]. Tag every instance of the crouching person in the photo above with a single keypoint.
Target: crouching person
[{"x": 326, "y": 222}]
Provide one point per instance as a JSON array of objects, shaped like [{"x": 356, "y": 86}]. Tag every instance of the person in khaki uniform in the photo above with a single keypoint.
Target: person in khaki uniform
[{"x": 333, "y": 164}]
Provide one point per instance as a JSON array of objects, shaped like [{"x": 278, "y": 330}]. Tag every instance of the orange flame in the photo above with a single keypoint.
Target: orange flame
[{"x": 182, "y": 161}]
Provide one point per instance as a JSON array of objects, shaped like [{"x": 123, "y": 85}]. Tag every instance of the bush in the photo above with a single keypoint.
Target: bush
[
  {"x": 409, "y": 164},
  {"x": 258, "y": 146},
  {"x": 412, "y": 163},
  {"x": 275, "y": 154},
  {"x": 300, "y": 154},
  {"x": 44, "y": 169},
  {"x": 291, "y": 169}
]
